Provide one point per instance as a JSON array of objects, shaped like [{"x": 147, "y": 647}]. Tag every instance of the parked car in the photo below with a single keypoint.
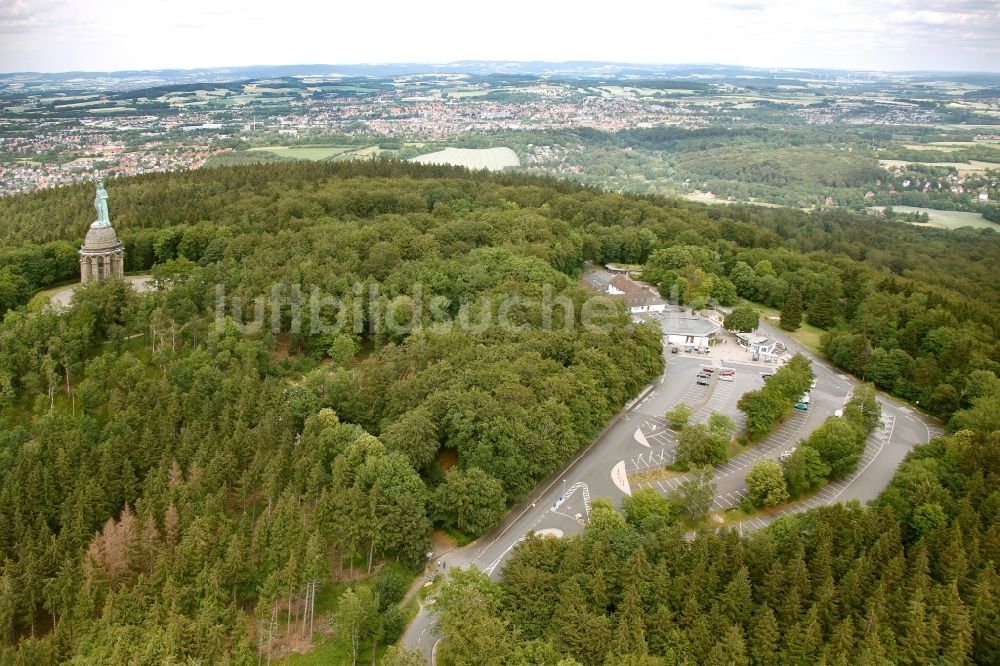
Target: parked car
[
  {"x": 785, "y": 455},
  {"x": 801, "y": 405},
  {"x": 701, "y": 381},
  {"x": 766, "y": 375},
  {"x": 727, "y": 378},
  {"x": 813, "y": 385},
  {"x": 673, "y": 350},
  {"x": 708, "y": 369},
  {"x": 804, "y": 398}
]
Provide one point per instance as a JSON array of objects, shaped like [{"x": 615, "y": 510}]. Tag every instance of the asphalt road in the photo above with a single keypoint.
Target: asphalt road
[{"x": 638, "y": 438}]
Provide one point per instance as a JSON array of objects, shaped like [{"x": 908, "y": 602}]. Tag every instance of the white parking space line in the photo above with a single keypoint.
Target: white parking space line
[{"x": 830, "y": 492}]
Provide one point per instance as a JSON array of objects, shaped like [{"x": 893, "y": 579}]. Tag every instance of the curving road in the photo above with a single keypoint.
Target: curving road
[{"x": 637, "y": 439}]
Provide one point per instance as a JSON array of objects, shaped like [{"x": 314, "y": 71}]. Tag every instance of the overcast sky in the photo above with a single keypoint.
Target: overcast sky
[{"x": 61, "y": 35}]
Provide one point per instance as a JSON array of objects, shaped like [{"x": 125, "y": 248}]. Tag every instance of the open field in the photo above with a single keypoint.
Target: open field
[
  {"x": 367, "y": 151},
  {"x": 460, "y": 94},
  {"x": 493, "y": 159},
  {"x": 948, "y": 219},
  {"x": 628, "y": 91},
  {"x": 702, "y": 197},
  {"x": 305, "y": 152},
  {"x": 973, "y": 166},
  {"x": 80, "y": 105},
  {"x": 964, "y": 126},
  {"x": 940, "y": 148}
]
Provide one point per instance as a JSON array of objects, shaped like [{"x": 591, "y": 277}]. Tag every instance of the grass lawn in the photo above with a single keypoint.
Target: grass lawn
[{"x": 43, "y": 298}]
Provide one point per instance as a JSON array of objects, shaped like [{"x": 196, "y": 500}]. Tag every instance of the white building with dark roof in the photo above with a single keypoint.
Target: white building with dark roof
[{"x": 640, "y": 299}]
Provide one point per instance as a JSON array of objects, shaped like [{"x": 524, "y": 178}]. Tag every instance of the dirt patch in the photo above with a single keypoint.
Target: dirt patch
[
  {"x": 447, "y": 458},
  {"x": 659, "y": 474},
  {"x": 442, "y": 542},
  {"x": 282, "y": 348}
]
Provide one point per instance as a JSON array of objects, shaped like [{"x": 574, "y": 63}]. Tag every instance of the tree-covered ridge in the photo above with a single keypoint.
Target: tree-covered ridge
[
  {"x": 170, "y": 483},
  {"x": 260, "y": 198},
  {"x": 185, "y": 435},
  {"x": 914, "y": 310},
  {"x": 911, "y": 580}
]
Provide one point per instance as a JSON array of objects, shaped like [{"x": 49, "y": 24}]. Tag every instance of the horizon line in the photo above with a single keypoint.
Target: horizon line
[{"x": 454, "y": 63}]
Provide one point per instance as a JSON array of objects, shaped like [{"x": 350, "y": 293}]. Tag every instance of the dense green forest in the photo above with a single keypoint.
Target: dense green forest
[{"x": 170, "y": 482}]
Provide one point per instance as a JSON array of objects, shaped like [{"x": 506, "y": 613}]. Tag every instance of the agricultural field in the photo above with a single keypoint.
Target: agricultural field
[
  {"x": 305, "y": 152},
  {"x": 972, "y": 166},
  {"x": 493, "y": 159},
  {"x": 366, "y": 152},
  {"x": 948, "y": 219},
  {"x": 628, "y": 91}
]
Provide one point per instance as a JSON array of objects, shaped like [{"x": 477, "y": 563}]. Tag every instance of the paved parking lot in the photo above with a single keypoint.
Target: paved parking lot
[
  {"x": 831, "y": 492},
  {"x": 655, "y": 431},
  {"x": 730, "y": 477}
]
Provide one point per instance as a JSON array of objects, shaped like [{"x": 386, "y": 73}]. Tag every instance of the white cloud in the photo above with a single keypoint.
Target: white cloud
[{"x": 130, "y": 34}]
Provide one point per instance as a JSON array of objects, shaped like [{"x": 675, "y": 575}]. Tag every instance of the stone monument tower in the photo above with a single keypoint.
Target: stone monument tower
[{"x": 101, "y": 256}]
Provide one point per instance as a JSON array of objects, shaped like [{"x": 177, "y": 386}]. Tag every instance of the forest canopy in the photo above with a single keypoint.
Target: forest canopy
[{"x": 170, "y": 481}]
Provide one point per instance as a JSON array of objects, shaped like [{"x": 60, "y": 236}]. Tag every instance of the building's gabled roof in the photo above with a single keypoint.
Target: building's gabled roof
[
  {"x": 624, "y": 284},
  {"x": 635, "y": 294},
  {"x": 642, "y": 298}
]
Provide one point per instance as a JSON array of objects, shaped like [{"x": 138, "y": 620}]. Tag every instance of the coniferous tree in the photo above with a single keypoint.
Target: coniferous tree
[
  {"x": 731, "y": 650},
  {"x": 824, "y": 308},
  {"x": 956, "y": 625},
  {"x": 916, "y": 642},
  {"x": 764, "y": 637},
  {"x": 737, "y": 599},
  {"x": 630, "y": 629},
  {"x": 791, "y": 311}
]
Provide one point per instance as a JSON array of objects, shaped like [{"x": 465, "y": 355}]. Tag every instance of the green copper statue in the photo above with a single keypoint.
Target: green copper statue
[{"x": 101, "y": 204}]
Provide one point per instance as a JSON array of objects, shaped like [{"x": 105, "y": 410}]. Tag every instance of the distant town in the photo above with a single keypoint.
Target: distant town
[{"x": 808, "y": 139}]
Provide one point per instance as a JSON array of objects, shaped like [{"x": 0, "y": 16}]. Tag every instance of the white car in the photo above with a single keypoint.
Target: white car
[
  {"x": 785, "y": 455},
  {"x": 813, "y": 385},
  {"x": 804, "y": 398}
]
